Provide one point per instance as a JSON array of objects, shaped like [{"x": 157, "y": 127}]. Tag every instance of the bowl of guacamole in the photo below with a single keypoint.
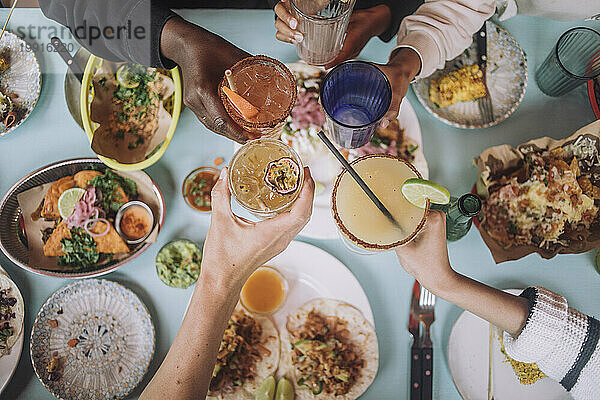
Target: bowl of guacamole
[{"x": 178, "y": 263}]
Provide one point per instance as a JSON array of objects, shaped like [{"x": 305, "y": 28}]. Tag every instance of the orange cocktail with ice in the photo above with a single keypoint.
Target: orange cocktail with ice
[
  {"x": 265, "y": 177},
  {"x": 259, "y": 93}
]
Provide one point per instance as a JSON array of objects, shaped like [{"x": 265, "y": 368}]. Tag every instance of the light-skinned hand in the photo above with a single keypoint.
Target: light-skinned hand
[
  {"x": 234, "y": 249},
  {"x": 426, "y": 256},
  {"x": 363, "y": 25}
]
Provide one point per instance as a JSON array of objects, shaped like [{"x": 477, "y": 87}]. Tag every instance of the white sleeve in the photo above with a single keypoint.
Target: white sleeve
[
  {"x": 563, "y": 342},
  {"x": 442, "y": 29}
]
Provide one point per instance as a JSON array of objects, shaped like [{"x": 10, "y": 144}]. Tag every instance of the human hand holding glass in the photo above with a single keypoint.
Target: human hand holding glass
[
  {"x": 426, "y": 259},
  {"x": 203, "y": 58},
  {"x": 317, "y": 28},
  {"x": 235, "y": 248},
  {"x": 401, "y": 69},
  {"x": 363, "y": 25}
]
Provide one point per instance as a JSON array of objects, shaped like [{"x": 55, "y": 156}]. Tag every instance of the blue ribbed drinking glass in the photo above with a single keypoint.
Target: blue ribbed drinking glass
[
  {"x": 573, "y": 61},
  {"x": 355, "y": 96}
]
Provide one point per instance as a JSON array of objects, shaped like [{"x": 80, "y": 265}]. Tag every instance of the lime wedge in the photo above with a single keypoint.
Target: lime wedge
[
  {"x": 67, "y": 201},
  {"x": 128, "y": 76},
  {"x": 416, "y": 191},
  {"x": 319, "y": 188},
  {"x": 285, "y": 390}
]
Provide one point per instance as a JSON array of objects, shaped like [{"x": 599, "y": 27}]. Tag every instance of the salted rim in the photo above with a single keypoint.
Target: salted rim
[
  {"x": 294, "y": 156},
  {"x": 258, "y": 125},
  {"x": 360, "y": 242}
]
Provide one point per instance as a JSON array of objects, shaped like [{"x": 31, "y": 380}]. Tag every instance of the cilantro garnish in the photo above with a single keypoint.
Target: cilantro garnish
[
  {"x": 80, "y": 250},
  {"x": 109, "y": 184}
]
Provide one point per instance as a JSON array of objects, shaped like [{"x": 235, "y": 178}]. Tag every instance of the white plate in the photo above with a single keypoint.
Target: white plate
[
  {"x": 22, "y": 78},
  {"x": 9, "y": 363},
  {"x": 116, "y": 340},
  {"x": 312, "y": 273},
  {"x": 468, "y": 356},
  {"x": 506, "y": 81}
]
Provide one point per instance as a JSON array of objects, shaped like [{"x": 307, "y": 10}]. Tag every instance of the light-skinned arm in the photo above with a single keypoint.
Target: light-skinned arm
[
  {"x": 232, "y": 251},
  {"x": 426, "y": 258}
]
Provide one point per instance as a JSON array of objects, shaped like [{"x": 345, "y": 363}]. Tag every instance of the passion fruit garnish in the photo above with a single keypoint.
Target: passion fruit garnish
[{"x": 283, "y": 175}]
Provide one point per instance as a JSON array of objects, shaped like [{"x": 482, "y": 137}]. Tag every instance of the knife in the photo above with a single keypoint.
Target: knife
[
  {"x": 61, "y": 49},
  {"x": 481, "y": 39},
  {"x": 484, "y": 104},
  {"x": 415, "y": 351}
]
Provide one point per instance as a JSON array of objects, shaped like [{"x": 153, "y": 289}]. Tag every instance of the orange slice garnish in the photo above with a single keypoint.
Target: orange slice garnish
[{"x": 243, "y": 106}]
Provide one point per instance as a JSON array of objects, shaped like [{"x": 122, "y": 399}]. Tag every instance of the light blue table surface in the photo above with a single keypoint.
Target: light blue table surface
[{"x": 50, "y": 135}]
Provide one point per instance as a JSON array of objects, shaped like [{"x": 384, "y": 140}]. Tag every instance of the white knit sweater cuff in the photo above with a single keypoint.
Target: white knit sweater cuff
[{"x": 548, "y": 316}]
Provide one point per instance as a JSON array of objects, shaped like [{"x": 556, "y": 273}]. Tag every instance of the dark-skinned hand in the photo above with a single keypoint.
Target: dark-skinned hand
[
  {"x": 203, "y": 58},
  {"x": 402, "y": 68}
]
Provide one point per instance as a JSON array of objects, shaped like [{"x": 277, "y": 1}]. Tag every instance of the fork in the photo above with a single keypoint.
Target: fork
[
  {"x": 427, "y": 316},
  {"x": 485, "y": 107}
]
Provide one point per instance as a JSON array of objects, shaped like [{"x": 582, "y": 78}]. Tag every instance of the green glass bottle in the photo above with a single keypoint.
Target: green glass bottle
[{"x": 459, "y": 215}]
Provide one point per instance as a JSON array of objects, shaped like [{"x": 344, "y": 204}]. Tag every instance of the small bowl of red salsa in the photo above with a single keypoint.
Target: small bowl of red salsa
[{"x": 197, "y": 186}]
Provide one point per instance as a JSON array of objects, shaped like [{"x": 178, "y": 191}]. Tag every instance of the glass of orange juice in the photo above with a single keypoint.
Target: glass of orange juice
[{"x": 264, "y": 292}]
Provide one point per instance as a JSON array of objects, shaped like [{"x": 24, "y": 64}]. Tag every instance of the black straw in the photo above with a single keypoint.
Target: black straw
[{"x": 357, "y": 178}]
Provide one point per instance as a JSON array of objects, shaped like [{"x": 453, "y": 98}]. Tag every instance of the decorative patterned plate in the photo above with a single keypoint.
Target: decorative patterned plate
[
  {"x": 506, "y": 80},
  {"x": 22, "y": 78},
  {"x": 10, "y": 361},
  {"x": 13, "y": 241},
  {"x": 114, "y": 338}
]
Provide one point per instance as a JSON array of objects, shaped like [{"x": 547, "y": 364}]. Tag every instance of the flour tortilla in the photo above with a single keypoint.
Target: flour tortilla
[
  {"x": 265, "y": 368},
  {"x": 18, "y": 309},
  {"x": 363, "y": 339},
  {"x": 103, "y": 140}
]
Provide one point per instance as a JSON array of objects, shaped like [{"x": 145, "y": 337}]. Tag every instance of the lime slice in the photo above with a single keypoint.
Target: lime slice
[
  {"x": 67, "y": 201},
  {"x": 319, "y": 188},
  {"x": 285, "y": 390},
  {"x": 597, "y": 261},
  {"x": 128, "y": 76},
  {"x": 417, "y": 191}
]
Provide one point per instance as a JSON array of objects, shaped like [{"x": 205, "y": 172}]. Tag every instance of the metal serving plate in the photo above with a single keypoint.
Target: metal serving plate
[{"x": 13, "y": 241}]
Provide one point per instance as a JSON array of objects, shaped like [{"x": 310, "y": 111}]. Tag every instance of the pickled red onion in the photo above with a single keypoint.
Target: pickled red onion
[
  {"x": 94, "y": 221},
  {"x": 84, "y": 210}
]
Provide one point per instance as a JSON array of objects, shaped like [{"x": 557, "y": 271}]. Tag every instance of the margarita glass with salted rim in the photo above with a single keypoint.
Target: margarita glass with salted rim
[{"x": 359, "y": 221}]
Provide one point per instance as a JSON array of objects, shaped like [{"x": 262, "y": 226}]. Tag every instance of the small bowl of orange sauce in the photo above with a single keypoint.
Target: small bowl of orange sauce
[
  {"x": 264, "y": 292},
  {"x": 134, "y": 222},
  {"x": 197, "y": 186}
]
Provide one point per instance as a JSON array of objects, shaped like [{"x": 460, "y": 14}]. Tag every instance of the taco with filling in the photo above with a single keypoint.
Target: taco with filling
[
  {"x": 330, "y": 351},
  {"x": 248, "y": 354},
  {"x": 12, "y": 312}
]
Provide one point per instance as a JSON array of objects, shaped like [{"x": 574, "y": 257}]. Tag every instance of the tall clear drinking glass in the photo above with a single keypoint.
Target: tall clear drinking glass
[
  {"x": 355, "y": 96},
  {"x": 323, "y": 24},
  {"x": 574, "y": 60}
]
